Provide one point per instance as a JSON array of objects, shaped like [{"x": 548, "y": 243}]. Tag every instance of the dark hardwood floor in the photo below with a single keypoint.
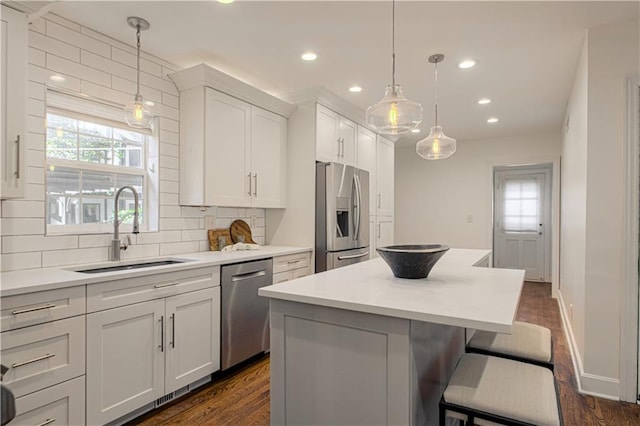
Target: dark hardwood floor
[{"x": 242, "y": 398}]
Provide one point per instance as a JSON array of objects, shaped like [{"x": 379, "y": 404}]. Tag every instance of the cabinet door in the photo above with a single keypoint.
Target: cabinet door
[
  {"x": 328, "y": 146},
  {"x": 268, "y": 158},
  {"x": 227, "y": 144},
  {"x": 347, "y": 134},
  {"x": 125, "y": 359},
  {"x": 366, "y": 155},
  {"x": 384, "y": 178},
  {"x": 384, "y": 233},
  {"x": 13, "y": 83},
  {"x": 193, "y": 337}
]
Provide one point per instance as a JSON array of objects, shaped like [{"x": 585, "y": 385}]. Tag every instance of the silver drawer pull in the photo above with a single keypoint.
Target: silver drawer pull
[
  {"x": 291, "y": 262},
  {"x": 166, "y": 285},
  {"x": 31, "y": 361},
  {"x": 353, "y": 256},
  {"x": 38, "y": 308},
  {"x": 247, "y": 276},
  {"x": 47, "y": 422}
]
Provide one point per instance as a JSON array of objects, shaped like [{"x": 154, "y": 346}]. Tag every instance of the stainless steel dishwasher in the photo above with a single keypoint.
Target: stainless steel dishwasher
[{"x": 245, "y": 315}]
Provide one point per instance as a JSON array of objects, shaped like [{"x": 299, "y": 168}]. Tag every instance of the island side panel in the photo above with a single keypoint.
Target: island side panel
[
  {"x": 332, "y": 366},
  {"x": 435, "y": 351}
]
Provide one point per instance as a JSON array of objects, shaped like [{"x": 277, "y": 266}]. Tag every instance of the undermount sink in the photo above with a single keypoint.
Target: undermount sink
[{"x": 130, "y": 266}]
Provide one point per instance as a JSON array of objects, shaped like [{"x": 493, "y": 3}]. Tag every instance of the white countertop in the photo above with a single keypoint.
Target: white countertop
[
  {"x": 455, "y": 293},
  {"x": 32, "y": 280}
]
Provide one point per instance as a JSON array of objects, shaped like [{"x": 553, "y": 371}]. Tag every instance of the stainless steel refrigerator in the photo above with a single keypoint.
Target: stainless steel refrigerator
[{"x": 342, "y": 215}]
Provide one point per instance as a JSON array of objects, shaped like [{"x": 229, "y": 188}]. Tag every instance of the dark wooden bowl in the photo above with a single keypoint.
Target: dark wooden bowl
[{"x": 413, "y": 260}]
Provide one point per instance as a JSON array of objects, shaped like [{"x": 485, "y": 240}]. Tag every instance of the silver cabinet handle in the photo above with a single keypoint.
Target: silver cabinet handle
[
  {"x": 353, "y": 256},
  {"x": 378, "y": 231},
  {"x": 47, "y": 422},
  {"x": 291, "y": 262},
  {"x": 255, "y": 189},
  {"x": 338, "y": 147},
  {"x": 379, "y": 199},
  {"x": 173, "y": 330},
  {"x": 31, "y": 361},
  {"x": 166, "y": 285},
  {"x": 161, "y": 346},
  {"x": 249, "y": 176},
  {"x": 247, "y": 276},
  {"x": 17, "y": 173},
  {"x": 38, "y": 308}
]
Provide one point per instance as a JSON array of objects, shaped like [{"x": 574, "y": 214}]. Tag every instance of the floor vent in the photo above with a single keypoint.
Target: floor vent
[{"x": 168, "y": 397}]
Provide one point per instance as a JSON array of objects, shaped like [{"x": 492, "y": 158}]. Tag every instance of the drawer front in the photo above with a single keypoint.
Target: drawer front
[
  {"x": 299, "y": 273},
  {"x": 291, "y": 261},
  {"x": 43, "y": 355},
  {"x": 61, "y": 404},
  {"x": 281, "y": 277},
  {"x": 36, "y": 308},
  {"x": 113, "y": 294}
]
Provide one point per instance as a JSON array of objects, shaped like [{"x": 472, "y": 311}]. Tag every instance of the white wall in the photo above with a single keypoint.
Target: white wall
[
  {"x": 105, "y": 68},
  {"x": 612, "y": 54},
  {"x": 433, "y": 198}
]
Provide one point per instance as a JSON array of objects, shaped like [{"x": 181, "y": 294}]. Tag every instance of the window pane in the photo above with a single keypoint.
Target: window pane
[
  {"x": 128, "y": 154},
  {"x": 97, "y": 184},
  {"x": 520, "y": 205},
  {"x": 94, "y": 129},
  {"x": 59, "y": 122},
  {"x": 62, "y": 144},
  {"x": 95, "y": 149}
]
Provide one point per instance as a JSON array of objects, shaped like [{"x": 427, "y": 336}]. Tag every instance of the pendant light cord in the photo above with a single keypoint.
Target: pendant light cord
[
  {"x": 138, "y": 63},
  {"x": 436, "y": 94},
  {"x": 393, "y": 44}
]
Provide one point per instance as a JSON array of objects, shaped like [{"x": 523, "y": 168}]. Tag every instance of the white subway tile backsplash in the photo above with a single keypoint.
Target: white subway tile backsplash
[
  {"x": 195, "y": 235},
  {"x": 36, "y": 175},
  {"x": 170, "y": 174},
  {"x": 74, "y": 256},
  {"x": 167, "y": 224},
  {"x": 35, "y": 124},
  {"x": 231, "y": 212},
  {"x": 75, "y": 37},
  {"x": 129, "y": 86},
  {"x": 36, "y": 141},
  {"x": 22, "y": 209},
  {"x": 34, "y": 192},
  {"x": 21, "y": 226},
  {"x": 80, "y": 71},
  {"x": 103, "y": 92},
  {"x": 53, "y": 47},
  {"x": 36, "y": 57},
  {"x": 159, "y": 237},
  {"x": 61, "y": 21},
  {"x": 169, "y": 149},
  {"x": 170, "y": 100},
  {"x": 35, "y": 158},
  {"x": 170, "y": 211},
  {"x": 169, "y": 125},
  {"x": 38, "y": 25},
  {"x": 166, "y": 111},
  {"x": 198, "y": 211},
  {"x": 27, "y": 243},
  {"x": 159, "y": 83},
  {"x": 169, "y": 186},
  {"x": 169, "y": 163},
  {"x": 107, "y": 65},
  {"x": 94, "y": 240},
  {"x": 140, "y": 251},
  {"x": 204, "y": 245},
  {"x": 169, "y": 137},
  {"x": 167, "y": 199},
  {"x": 35, "y": 107},
  {"x": 178, "y": 248},
  {"x": 17, "y": 261},
  {"x": 35, "y": 90},
  {"x": 129, "y": 59}
]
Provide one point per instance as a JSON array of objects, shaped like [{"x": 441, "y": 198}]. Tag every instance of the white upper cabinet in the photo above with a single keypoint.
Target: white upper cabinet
[
  {"x": 385, "y": 169},
  {"x": 13, "y": 83},
  {"x": 233, "y": 142},
  {"x": 366, "y": 154},
  {"x": 335, "y": 137}
]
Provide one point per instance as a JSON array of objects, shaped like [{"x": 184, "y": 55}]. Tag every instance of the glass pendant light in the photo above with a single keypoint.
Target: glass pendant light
[
  {"x": 136, "y": 113},
  {"x": 394, "y": 114},
  {"x": 436, "y": 146}
]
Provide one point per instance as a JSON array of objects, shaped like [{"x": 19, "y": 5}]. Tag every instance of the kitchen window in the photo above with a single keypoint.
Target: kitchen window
[{"x": 88, "y": 158}]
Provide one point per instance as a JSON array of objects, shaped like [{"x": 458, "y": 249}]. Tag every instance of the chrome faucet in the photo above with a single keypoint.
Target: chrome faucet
[{"x": 115, "y": 242}]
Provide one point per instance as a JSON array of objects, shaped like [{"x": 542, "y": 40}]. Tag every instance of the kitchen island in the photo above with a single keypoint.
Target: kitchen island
[{"x": 357, "y": 346}]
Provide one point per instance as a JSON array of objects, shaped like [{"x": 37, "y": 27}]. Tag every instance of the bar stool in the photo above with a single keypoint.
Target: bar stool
[
  {"x": 485, "y": 390},
  {"x": 527, "y": 343}
]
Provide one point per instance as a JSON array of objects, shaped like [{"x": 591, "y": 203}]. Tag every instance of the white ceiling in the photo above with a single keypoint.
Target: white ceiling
[{"x": 526, "y": 52}]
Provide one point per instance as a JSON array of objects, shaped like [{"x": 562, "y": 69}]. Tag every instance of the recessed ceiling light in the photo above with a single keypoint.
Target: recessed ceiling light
[
  {"x": 225, "y": 1},
  {"x": 415, "y": 130},
  {"x": 492, "y": 120},
  {"x": 149, "y": 103},
  {"x": 57, "y": 78},
  {"x": 467, "y": 63},
  {"x": 484, "y": 101},
  {"x": 309, "y": 56},
  {"x": 355, "y": 89}
]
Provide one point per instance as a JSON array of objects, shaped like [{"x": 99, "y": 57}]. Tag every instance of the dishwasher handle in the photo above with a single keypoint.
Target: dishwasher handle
[{"x": 248, "y": 276}]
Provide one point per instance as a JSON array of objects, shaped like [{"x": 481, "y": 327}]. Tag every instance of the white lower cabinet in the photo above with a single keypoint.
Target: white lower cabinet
[
  {"x": 290, "y": 267},
  {"x": 384, "y": 231},
  {"x": 141, "y": 352},
  {"x": 62, "y": 404}
]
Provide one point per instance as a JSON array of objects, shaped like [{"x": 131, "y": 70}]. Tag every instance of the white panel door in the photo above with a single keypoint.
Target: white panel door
[
  {"x": 328, "y": 146},
  {"x": 13, "y": 83},
  {"x": 385, "y": 173},
  {"x": 521, "y": 218},
  {"x": 193, "y": 337},
  {"x": 227, "y": 141},
  {"x": 347, "y": 133},
  {"x": 366, "y": 154},
  {"x": 384, "y": 231},
  {"x": 268, "y": 158},
  {"x": 125, "y": 359}
]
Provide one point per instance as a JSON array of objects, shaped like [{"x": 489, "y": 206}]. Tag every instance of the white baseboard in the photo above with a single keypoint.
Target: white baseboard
[{"x": 588, "y": 384}]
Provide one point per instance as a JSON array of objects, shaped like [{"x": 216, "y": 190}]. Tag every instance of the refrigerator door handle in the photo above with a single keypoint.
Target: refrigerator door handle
[
  {"x": 353, "y": 256},
  {"x": 357, "y": 206}
]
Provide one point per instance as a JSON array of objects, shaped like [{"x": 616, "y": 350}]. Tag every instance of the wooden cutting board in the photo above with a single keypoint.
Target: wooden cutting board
[
  {"x": 241, "y": 232},
  {"x": 218, "y": 236}
]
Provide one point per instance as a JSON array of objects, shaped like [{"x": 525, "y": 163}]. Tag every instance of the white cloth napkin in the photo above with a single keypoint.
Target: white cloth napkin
[{"x": 240, "y": 246}]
